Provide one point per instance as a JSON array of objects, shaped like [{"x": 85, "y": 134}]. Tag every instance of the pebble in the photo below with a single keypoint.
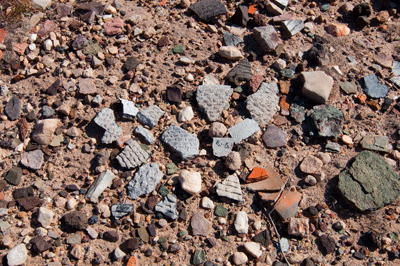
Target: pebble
[
  {"x": 230, "y": 52},
  {"x": 43, "y": 132},
  {"x": 267, "y": 37},
  {"x": 173, "y": 137},
  {"x": 13, "y": 108},
  {"x": 233, "y": 161},
  {"x": 190, "y": 181},
  {"x": 200, "y": 225},
  {"x": 274, "y": 137},
  {"x": 217, "y": 129},
  {"x": 207, "y": 203},
  {"x": 317, "y": 85},
  {"x": 243, "y": 130},
  {"x": 239, "y": 258},
  {"x": 298, "y": 227},
  {"x": 311, "y": 165},
  {"x": 45, "y": 217},
  {"x": 253, "y": 248},
  {"x": 145, "y": 180},
  {"x": 242, "y": 222},
  {"x": 186, "y": 114},
  {"x": 17, "y": 256},
  {"x": 119, "y": 254},
  {"x": 310, "y": 180},
  {"x": 98, "y": 186},
  {"x": 229, "y": 188},
  {"x": 33, "y": 159}
]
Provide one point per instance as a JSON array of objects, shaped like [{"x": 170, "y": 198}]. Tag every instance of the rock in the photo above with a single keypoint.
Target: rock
[
  {"x": 310, "y": 180},
  {"x": 74, "y": 221},
  {"x": 212, "y": 99},
  {"x": 316, "y": 85},
  {"x": 233, "y": 161},
  {"x": 373, "y": 87},
  {"x": 292, "y": 27},
  {"x": 263, "y": 238},
  {"x": 145, "y": 180},
  {"x": 174, "y": 248},
  {"x": 221, "y": 211},
  {"x": 230, "y": 188},
  {"x": 207, "y": 203},
  {"x": 348, "y": 87},
  {"x": 239, "y": 258},
  {"x": 208, "y": 9},
  {"x": 376, "y": 143},
  {"x": 39, "y": 245},
  {"x": 311, "y": 165},
  {"x": 222, "y": 146},
  {"x": 43, "y": 132},
  {"x": 80, "y": 42},
  {"x": 230, "y": 52},
  {"x": 14, "y": 176},
  {"x": 369, "y": 183},
  {"x": 77, "y": 252},
  {"x": 119, "y": 254},
  {"x": 63, "y": 10},
  {"x": 174, "y": 93},
  {"x": 242, "y": 222},
  {"x": 24, "y": 192},
  {"x": 33, "y": 159},
  {"x": 111, "y": 236},
  {"x": 255, "y": 82},
  {"x": 243, "y": 130},
  {"x": 113, "y": 27},
  {"x": 17, "y": 255},
  {"x": 149, "y": 32},
  {"x": 41, "y": 4},
  {"x": 130, "y": 245},
  {"x": 217, "y": 129},
  {"x": 328, "y": 120},
  {"x": 267, "y": 37},
  {"x": 129, "y": 110},
  {"x": 231, "y": 39},
  {"x": 338, "y": 30},
  {"x": 182, "y": 142},
  {"x": 200, "y": 225},
  {"x": 132, "y": 155},
  {"x": 150, "y": 115},
  {"x": 241, "y": 16},
  {"x": 199, "y": 257},
  {"x": 253, "y": 248},
  {"x": 106, "y": 120},
  {"x": 263, "y": 104},
  {"x": 99, "y": 185},
  {"x": 241, "y": 72},
  {"x": 190, "y": 182},
  {"x": 168, "y": 207},
  {"x": 45, "y": 217},
  {"x": 186, "y": 114},
  {"x": 87, "y": 87},
  {"x": 328, "y": 244},
  {"x": 274, "y": 137},
  {"x": 120, "y": 210},
  {"x": 298, "y": 227},
  {"x": 131, "y": 63},
  {"x": 145, "y": 134},
  {"x": 287, "y": 206},
  {"x": 13, "y": 108},
  {"x": 71, "y": 204}
]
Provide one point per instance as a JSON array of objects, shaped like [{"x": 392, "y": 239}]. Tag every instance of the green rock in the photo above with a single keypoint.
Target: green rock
[
  {"x": 57, "y": 140},
  {"x": 162, "y": 239},
  {"x": 238, "y": 89},
  {"x": 394, "y": 236},
  {"x": 348, "y": 87},
  {"x": 369, "y": 183},
  {"x": 225, "y": 238},
  {"x": 199, "y": 256},
  {"x": 171, "y": 168},
  {"x": 142, "y": 232},
  {"x": 182, "y": 233},
  {"x": 332, "y": 147},
  {"x": 327, "y": 120},
  {"x": 376, "y": 143},
  {"x": 144, "y": 147},
  {"x": 92, "y": 49},
  {"x": 288, "y": 73},
  {"x": 14, "y": 176},
  {"x": 178, "y": 49},
  {"x": 163, "y": 191},
  {"x": 221, "y": 211}
]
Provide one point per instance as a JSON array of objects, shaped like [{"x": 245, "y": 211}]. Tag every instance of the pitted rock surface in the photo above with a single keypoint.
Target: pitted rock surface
[
  {"x": 132, "y": 155},
  {"x": 145, "y": 180},
  {"x": 168, "y": 206},
  {"x": 119, "y": 210},
  {"x": 212, "y": 99},
  {"x": 182, "y": 142},
  {"x": 243, "y": 130},
  {"x": 230, "y": 188},
  {"x": 106, "y": 120},
  {"x": 150, "y": 115},
  {"x": 145, "y": 134},
  {"x": 222, "y": 146}
]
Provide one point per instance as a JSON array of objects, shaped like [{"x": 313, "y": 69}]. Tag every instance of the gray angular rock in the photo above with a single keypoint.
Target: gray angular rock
[
  {"x": 14, "y": 176},
  {"x": 48, "y": 112},
  {"x": 145, "y": 134},
  {"x": 222, "y": 146},
  {"x": 13, "y": 108},
  {"x": 230, "y": 188},
  {"x": 231, "y": 39},
  {"x": 145, "y": 180},
  {"x": 293, "y": 27},
  {"x": 376, "y": 143},
  {"x": 119, "y": 210},
  {"x": 167, "y": 206},
  {"x": 80, "y": 42},
  {"x": 267, "y": 37},
  {"x": 33, "y": 159},
  {"x": 263, "y": 104},
  {"x": 45, "y": 217},
  {"x": 396, "y": 68},
  {"x": 274, "y": 137},
  {"x": 348, "y": 87},
  {"x": 373, "y": 87},
  {"x": 316, "y": 85},
  {"x": 243, "y": 130},
  {"x": 150, "y": 115},
  {"x": 241, "y": 72},
  {"x": 369, "y": 183},
  {"x": 328, "y": 120},
  {"x": 99, "y": 185},
  {"x": 106, "y": 120},
  {"x": 208, "y": 9},
  {"x": 132, "y": 155},
  {"x": 281, "y": 3},
  {"x": 212, "y": 99},
  {"x": 182, "y": 142},
  {"x": 129, "y": 110}
]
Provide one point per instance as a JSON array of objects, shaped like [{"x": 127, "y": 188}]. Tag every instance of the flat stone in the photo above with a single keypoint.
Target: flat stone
[
  {"x": 182, "y": 142},
  {"x": 263, "y": 238},
  {"x": 376, "y": 143},
  {"x": 92, "y": 49},
  {"x": 263, "y": 104},
  {"x": 23, "y": 192},
  {"x": 281, "y": 3},
  {"x": 63, "y": 10},
  {"x": 230, "y": 52},
  {"x": 316, "y": 85},
  {"x": 231, "y": 39},
  {"x": 120, "y": 210},
  {"x": 239, "y": 258},
  {"x": 284, "y": 245},
  {"x": 267, "y": 37},
  {"x": 288, "y": 203},
  {"x": 113, "y": 27},
  {"x": 29, "y": 203},
  {"x": 150, "y": 115},
  {"x": 241, "y": 72},
  {"x": 87, "y": 86},
  {"x": 130, "y": 245},
  {"x": 48, "y": 26},
  {"x": 131, "y": 63},
  {"x": 14, "y": 176},
  {"x": 348, "y": 87},
  {"x": 221, "y": 211},
  {"x": 119, "y": 254},
  {"x": 129, "y": 110},
  {"x": 199, "y": 257},
  {"x": 17, "y": 255},
  {"x": 384, "y": 60},
  {"x": 13, "y": 108},
  {"x": 333, "y": 147},
  {"x": 33, "y": 159},
  {"x": 80, "y": 42},
  {"x": 145, "y": 180},
  {"x": 311, "y": 165},
  {"x": 145, "y": 134},
  {"x": 222, "y": 146},
  {"x": 243, "y": 130},
  {"x": 328, "y": 244},
  {"x": 111, "y": 236},
  {"x": 213, "y": 99},
  {"x": 298, "y": 227},
  {"x": 190, "y": 181},
  {"x": 292, "y": 27},
  {"x": 208, "y": 9},
  {"x": 230, "y": 188},
  {"x": 274, "y": 137},
  {"x": 74, "y": 221},
  {"x": 186, "y": 114},
  {"x": 39, "y": 245},
  {"x": 396, "y": 68},
  {"x": 4, "y": 226},
  {"x": 253, "y": 248},
  {"x": 396, "y": 81},
  {"x": 242, "y": 222},
  {"x": 241, "y": 16},
  {"x": 142, "y": 232},
  {"x": 327, "y": 120},
  {"x": 174, "y": 93},
  {"x": 132, "y": 155},
  {"x": 167, "y": 206},
  {"x": 106, "y": 120},
  {"x": 200, "y": 225},
  {"x": 45, "y": 217},
  {"x": 273, "y": 182},
  {"x": 298, "y": 112},
  {"x": 373, "y": 87},
  {"x": 99, "y": 185}
]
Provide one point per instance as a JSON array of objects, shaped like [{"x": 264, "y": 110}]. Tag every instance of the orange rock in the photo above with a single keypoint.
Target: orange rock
[
  {"x": 361, "y": 98},
  {"x": 132, "y": 261},
  {"x": 252, "y": 9},
  {"x": 283, "y": 103},
  {"x": 338, "y": 29},
  {"x": 374, "y": 104},
  {"x": 20, "y": 48},
  {"x": 1, "y": 54},
  {"x": 284, "y": 86},
  {"x": 257, "y": 174},
  {"x": 3, "y": 33},
  {"x": 288, "y": 203}
]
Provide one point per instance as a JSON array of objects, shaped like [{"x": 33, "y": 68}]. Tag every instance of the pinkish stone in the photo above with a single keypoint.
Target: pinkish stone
[{"x": 114, "y": 27}]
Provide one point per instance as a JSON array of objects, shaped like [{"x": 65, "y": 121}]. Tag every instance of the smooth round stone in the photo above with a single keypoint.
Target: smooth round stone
[
  {"x": 239, "y": 258},
  {"x": 253, "y": 248},
  {"x": 186, "y": 61},
  {"x": 190, "y": 181},
  {"x": 162, "y": 222},
  {"x": 311, "y": 180},
  {"x": 207, "y": 203},
  {"x": 186, "y": 114}
]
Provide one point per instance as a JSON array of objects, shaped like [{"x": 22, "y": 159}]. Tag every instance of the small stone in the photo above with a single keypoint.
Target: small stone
[
  {"x": 150, "y": 115},
  {"x": 222, "y": 146},
  {"x": 200, "y": 225},
  {"x": 71, "y": 204},
  {"x": 17, "y": 256},
  {"x": 80, "y": 42},
  {"x": 132, "y": 155},
  {"x": 174, "y": 248},
  {"x": 119, "y": 254},
  {"x": 230, "y": 52},
  {"x": 131, "y": 63},
  {"x": 376, "y": 143},
  {"x": 113, "y": 27},
  {"x": 129, "y": 110},
  {"x": 347, "y": 140},
  {"x": 316, "y": 85},
  {"x": 74, "y": 239},
  {"x": 208, "y": 9},
  {"x": 233, "y": 161},
  {"x": 212, "y": 99},
  {"x": 328, "y": 244},
  {"x": 231, "y": 39},
  {"x": 47, "y": 45},
  {"x": 145, "y": 134},
  {"x": 98, "y": 186},
  {"x": 40, "y": 4},
  {"x": 182, "y": 142},
  {"x": 221, "y": 211},
  {"x": 190, "y": 182},
  {"x": 178, "y": 49},
  {"x": 174, "y": 93},
  {"x": 230, "y": 188},
  {"x": 77, "y": 252},
  {"x": 120, "y": 210},
  {"x": 328, "y": 120},
  {"x": 217, "y": 129},
  {"x": 255, "y": 83},
  {"x": 13, "y": 108},
  {"x": 253, "y": 248},
  {"x": 14, "y": 176},
  {"x": 243, "y": 130},
  {"x": 74, "y": 221},
  {"x": 168, "y": 207},
  {"x": 338, "y": 30},
  {"x": 239, "y": 258},
  {"x": 33, "y": 159},
  {"x": 87, "y": 86},
  {"x": 199, "y": 255},
  {"x": 207, "y": 203},
  {"x": 267, "y": 37},
  {"x": 149, "y": 32},
  {"x": 263, "y": 238},
  {"x": 111, "y": 236},
  {"x": 43, "y": 132},
  {"x": 186, "y": 114},
  {"x": 242, "y": 222},
  {"x": 298, "y": 227},
  {"x": 311, "y": 165},
  {"x": 310, "y": 180},
  {"x": 348, "y": 87},
  {"x": 145, "y": 180},
  {"x": 274, "y": 137},
  {"x": 292, "y": 27},
  {"x": 373, "y": 87},
  {"x": 45, "y": 217},
  {"x": 106, "y": 120}
]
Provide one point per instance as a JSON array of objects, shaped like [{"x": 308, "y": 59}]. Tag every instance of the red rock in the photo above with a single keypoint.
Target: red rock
[
  {"x": 255, "y": 82},
  {"x": 48, "y": 26},
  {"x": 3, "y": 33},
  {"x": 257, "y": 174},
  {"x": 114, "y": 27},
  {"x": 338, "y": 30},
  {"x": 288, "y": 204},
  {"x": 20, "y": 48}
]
